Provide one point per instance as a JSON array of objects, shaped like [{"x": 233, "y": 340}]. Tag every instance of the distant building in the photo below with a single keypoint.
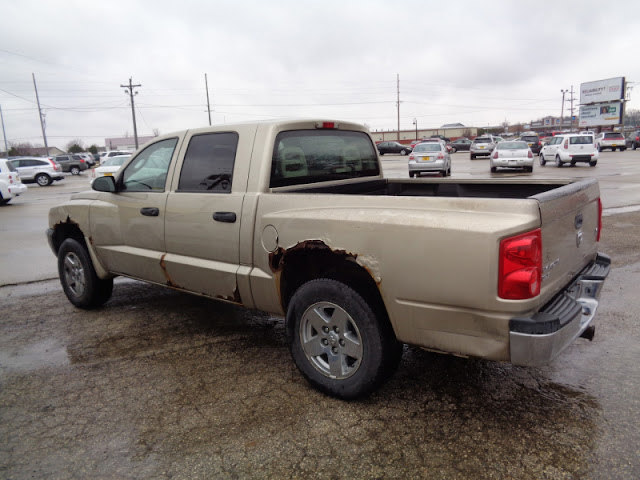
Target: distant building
[{"x": 126, "y": 143}]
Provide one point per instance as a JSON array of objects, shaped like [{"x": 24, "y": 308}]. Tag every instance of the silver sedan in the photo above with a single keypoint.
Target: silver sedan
[
  {"x": 430, "y": 157},
  {"x": 512, "y": 154}
]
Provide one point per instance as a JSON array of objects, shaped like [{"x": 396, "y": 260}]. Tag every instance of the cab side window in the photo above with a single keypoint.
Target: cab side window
[
  {"x": 208, "y": 163},
  {"x": 148, "y": 171}
]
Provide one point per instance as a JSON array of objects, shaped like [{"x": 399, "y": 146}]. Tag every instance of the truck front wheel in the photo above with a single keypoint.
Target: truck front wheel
[
  {"x": 339, "y": 342},
  {"x": 79, "y": 281}
]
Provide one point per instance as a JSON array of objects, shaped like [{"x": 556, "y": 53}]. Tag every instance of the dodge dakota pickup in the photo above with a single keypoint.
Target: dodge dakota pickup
[{"x": 295, "y": 217}]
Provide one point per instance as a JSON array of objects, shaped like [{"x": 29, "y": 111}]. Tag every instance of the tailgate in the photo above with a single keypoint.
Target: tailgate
[{"x": 570, "y": 220}]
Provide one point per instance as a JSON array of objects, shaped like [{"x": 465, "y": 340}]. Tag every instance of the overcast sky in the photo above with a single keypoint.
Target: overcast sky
[{"x": 478, "y": 63}]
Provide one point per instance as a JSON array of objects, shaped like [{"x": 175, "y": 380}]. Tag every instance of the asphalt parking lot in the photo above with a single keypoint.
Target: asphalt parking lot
[{"x": 159, "y": 384}]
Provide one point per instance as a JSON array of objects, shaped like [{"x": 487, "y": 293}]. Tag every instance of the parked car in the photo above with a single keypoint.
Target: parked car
[
  {"x": 431, "y": 157},
  {"x": 42, "y": 171},
  {"x": 511, "y": 154},
  {"x": 482, "y": 146},
  {"x": 71, "y": 163},
  {"x": 393, "y": 147},
  {"x": 633, "y": 139},
  {"x": 109, "y": 166},
  {"x": 611, "y": 141},
  {"x": 533, "y": 141},
  {"x": 460, "y": 144},
  {"x": 570, "y": 148},
  {"x": 10, "y": 184}
]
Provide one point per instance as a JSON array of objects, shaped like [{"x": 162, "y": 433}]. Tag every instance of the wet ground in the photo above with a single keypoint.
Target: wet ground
[{"x": 160, "y": 384}]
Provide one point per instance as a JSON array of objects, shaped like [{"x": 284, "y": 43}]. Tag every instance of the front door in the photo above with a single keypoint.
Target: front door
[{"x": 128, "y": 226}]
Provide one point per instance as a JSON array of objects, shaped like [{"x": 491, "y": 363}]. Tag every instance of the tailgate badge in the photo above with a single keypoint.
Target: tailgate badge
[
  {"x": 578, "y": 239},
  {"x": 578, "y": 221}
]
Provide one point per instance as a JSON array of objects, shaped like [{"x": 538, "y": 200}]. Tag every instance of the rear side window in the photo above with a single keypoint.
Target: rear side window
[
  {"x": 309, "y": 156},
  {"x": 208, "y": 163}
]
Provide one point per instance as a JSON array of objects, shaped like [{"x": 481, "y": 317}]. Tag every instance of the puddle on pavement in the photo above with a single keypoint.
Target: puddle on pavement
[{"x": 47, "y": 353}]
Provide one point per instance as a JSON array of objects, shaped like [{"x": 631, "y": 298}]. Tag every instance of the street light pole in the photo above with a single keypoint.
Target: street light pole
[{"x": 415, "y": 122}]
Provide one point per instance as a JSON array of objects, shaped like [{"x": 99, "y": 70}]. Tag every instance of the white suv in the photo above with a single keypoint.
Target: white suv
[
  {"x": 611, "y": 140},
  {"x": 10, "y": 184},
  {"x": 570, "y": 148},
  {"x": 42, "y": 171}
]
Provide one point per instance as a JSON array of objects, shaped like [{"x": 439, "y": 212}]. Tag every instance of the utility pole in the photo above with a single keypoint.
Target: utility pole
[
  {"x": 128, "y": 89},
  {"x": 4, "y": 134},
  {"x": 415, "y": 122},
  {"x": 44, "y": 136},
  {"x": 206, "y": 84},
  {"x": 571, "y": 92},
  {"x": 398, "y": 104},
  {"x": 562, "y": 109}
]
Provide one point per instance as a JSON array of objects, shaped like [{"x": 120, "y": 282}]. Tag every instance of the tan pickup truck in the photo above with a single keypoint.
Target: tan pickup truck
[{"x": 296, "y": 218}]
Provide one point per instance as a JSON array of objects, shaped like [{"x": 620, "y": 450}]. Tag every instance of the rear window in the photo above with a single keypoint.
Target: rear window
[
  {"x": 612, "y": 135},
  {"x": 582, "y": 140},
  {"x": 512, "y": 146},
  {"x": 530, "y": 138},
  {"x": 309, "y": 156},
  {"x": 428, "y": 147},
  {"x": 482, "y": 140}
]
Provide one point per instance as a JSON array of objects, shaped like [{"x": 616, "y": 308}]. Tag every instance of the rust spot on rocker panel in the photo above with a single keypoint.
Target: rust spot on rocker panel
[{"x": 167, "y": 277}]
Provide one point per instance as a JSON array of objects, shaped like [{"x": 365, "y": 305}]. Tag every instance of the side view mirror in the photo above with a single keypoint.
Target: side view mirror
[{"x": 104, "y": 184}]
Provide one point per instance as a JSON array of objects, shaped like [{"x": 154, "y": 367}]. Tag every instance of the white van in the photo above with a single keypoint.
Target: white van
[{"x": 570, "y": 148}]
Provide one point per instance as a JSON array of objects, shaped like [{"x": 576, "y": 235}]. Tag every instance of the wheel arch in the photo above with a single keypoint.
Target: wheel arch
[{"x": 314, "y": 259}]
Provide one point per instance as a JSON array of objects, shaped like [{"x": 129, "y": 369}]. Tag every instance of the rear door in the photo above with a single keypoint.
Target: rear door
[{"x": 203, "y": 216}]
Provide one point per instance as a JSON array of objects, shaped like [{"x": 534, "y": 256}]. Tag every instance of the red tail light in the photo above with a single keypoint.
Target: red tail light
[
  {"x": 441, "y": 156},
  {"x": 566, "y": 144},
  {"x": 599, "y": 220},
  {"x": 520, "y": 271},
  {"x": 530, "y": 155},
  {"x": 495, "y": 154}
]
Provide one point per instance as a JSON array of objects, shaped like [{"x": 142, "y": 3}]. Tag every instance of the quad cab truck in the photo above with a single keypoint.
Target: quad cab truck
[{"x": 295, "y": 218}]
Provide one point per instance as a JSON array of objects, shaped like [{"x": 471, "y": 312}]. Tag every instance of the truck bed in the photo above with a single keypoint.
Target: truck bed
[{"x": 479, "y": 188}]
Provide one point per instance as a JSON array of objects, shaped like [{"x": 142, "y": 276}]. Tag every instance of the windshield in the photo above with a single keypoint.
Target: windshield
[
  {"x": 308, "y": 156},
  {"x": 428, "y": 147}
]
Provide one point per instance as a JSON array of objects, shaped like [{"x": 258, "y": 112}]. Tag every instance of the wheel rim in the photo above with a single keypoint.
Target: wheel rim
[
  {"x": 331, "y": 340},
  {"x": 42, "y": 181},
  {"x": 74, "y": 274}
]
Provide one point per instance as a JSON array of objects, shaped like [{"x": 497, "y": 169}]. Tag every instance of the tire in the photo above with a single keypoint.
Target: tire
[
  {"x": 454, "y": 149},
  {"x": 403, "y": 152},
  {"x": 380, "y": 153},
  {"x": 558, "y": 161},
  {"x": 473, "y": 157},
  {"x": 411, "y": 174},
  {"x": 543, "y": 162},
  {"x": 79, "y": 281},
  {"x": 635, "y": 145},
  {"x": 43, "y": 180},
  {"x": 75, "y": 171},
  {"x": 528, "y": 169},
  {"x": 623, "y": 149},
  {"x": 341, "y": 343},
  {"x": 613, "y": 149},
  {"x": 494, "y": 169},
  {"x": 593, "y": 164},
  {"x": 599, "y": 148}
]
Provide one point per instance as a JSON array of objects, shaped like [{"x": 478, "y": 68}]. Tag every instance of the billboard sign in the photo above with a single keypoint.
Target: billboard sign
[
  {"x": 601, "y": 114},
  {"x": 600, "y": 91}
]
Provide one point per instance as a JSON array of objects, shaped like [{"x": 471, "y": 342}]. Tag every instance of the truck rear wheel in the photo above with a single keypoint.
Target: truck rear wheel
[
  {"x": 79, "y": 281},
  {"x": 342, "y": 346}
]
